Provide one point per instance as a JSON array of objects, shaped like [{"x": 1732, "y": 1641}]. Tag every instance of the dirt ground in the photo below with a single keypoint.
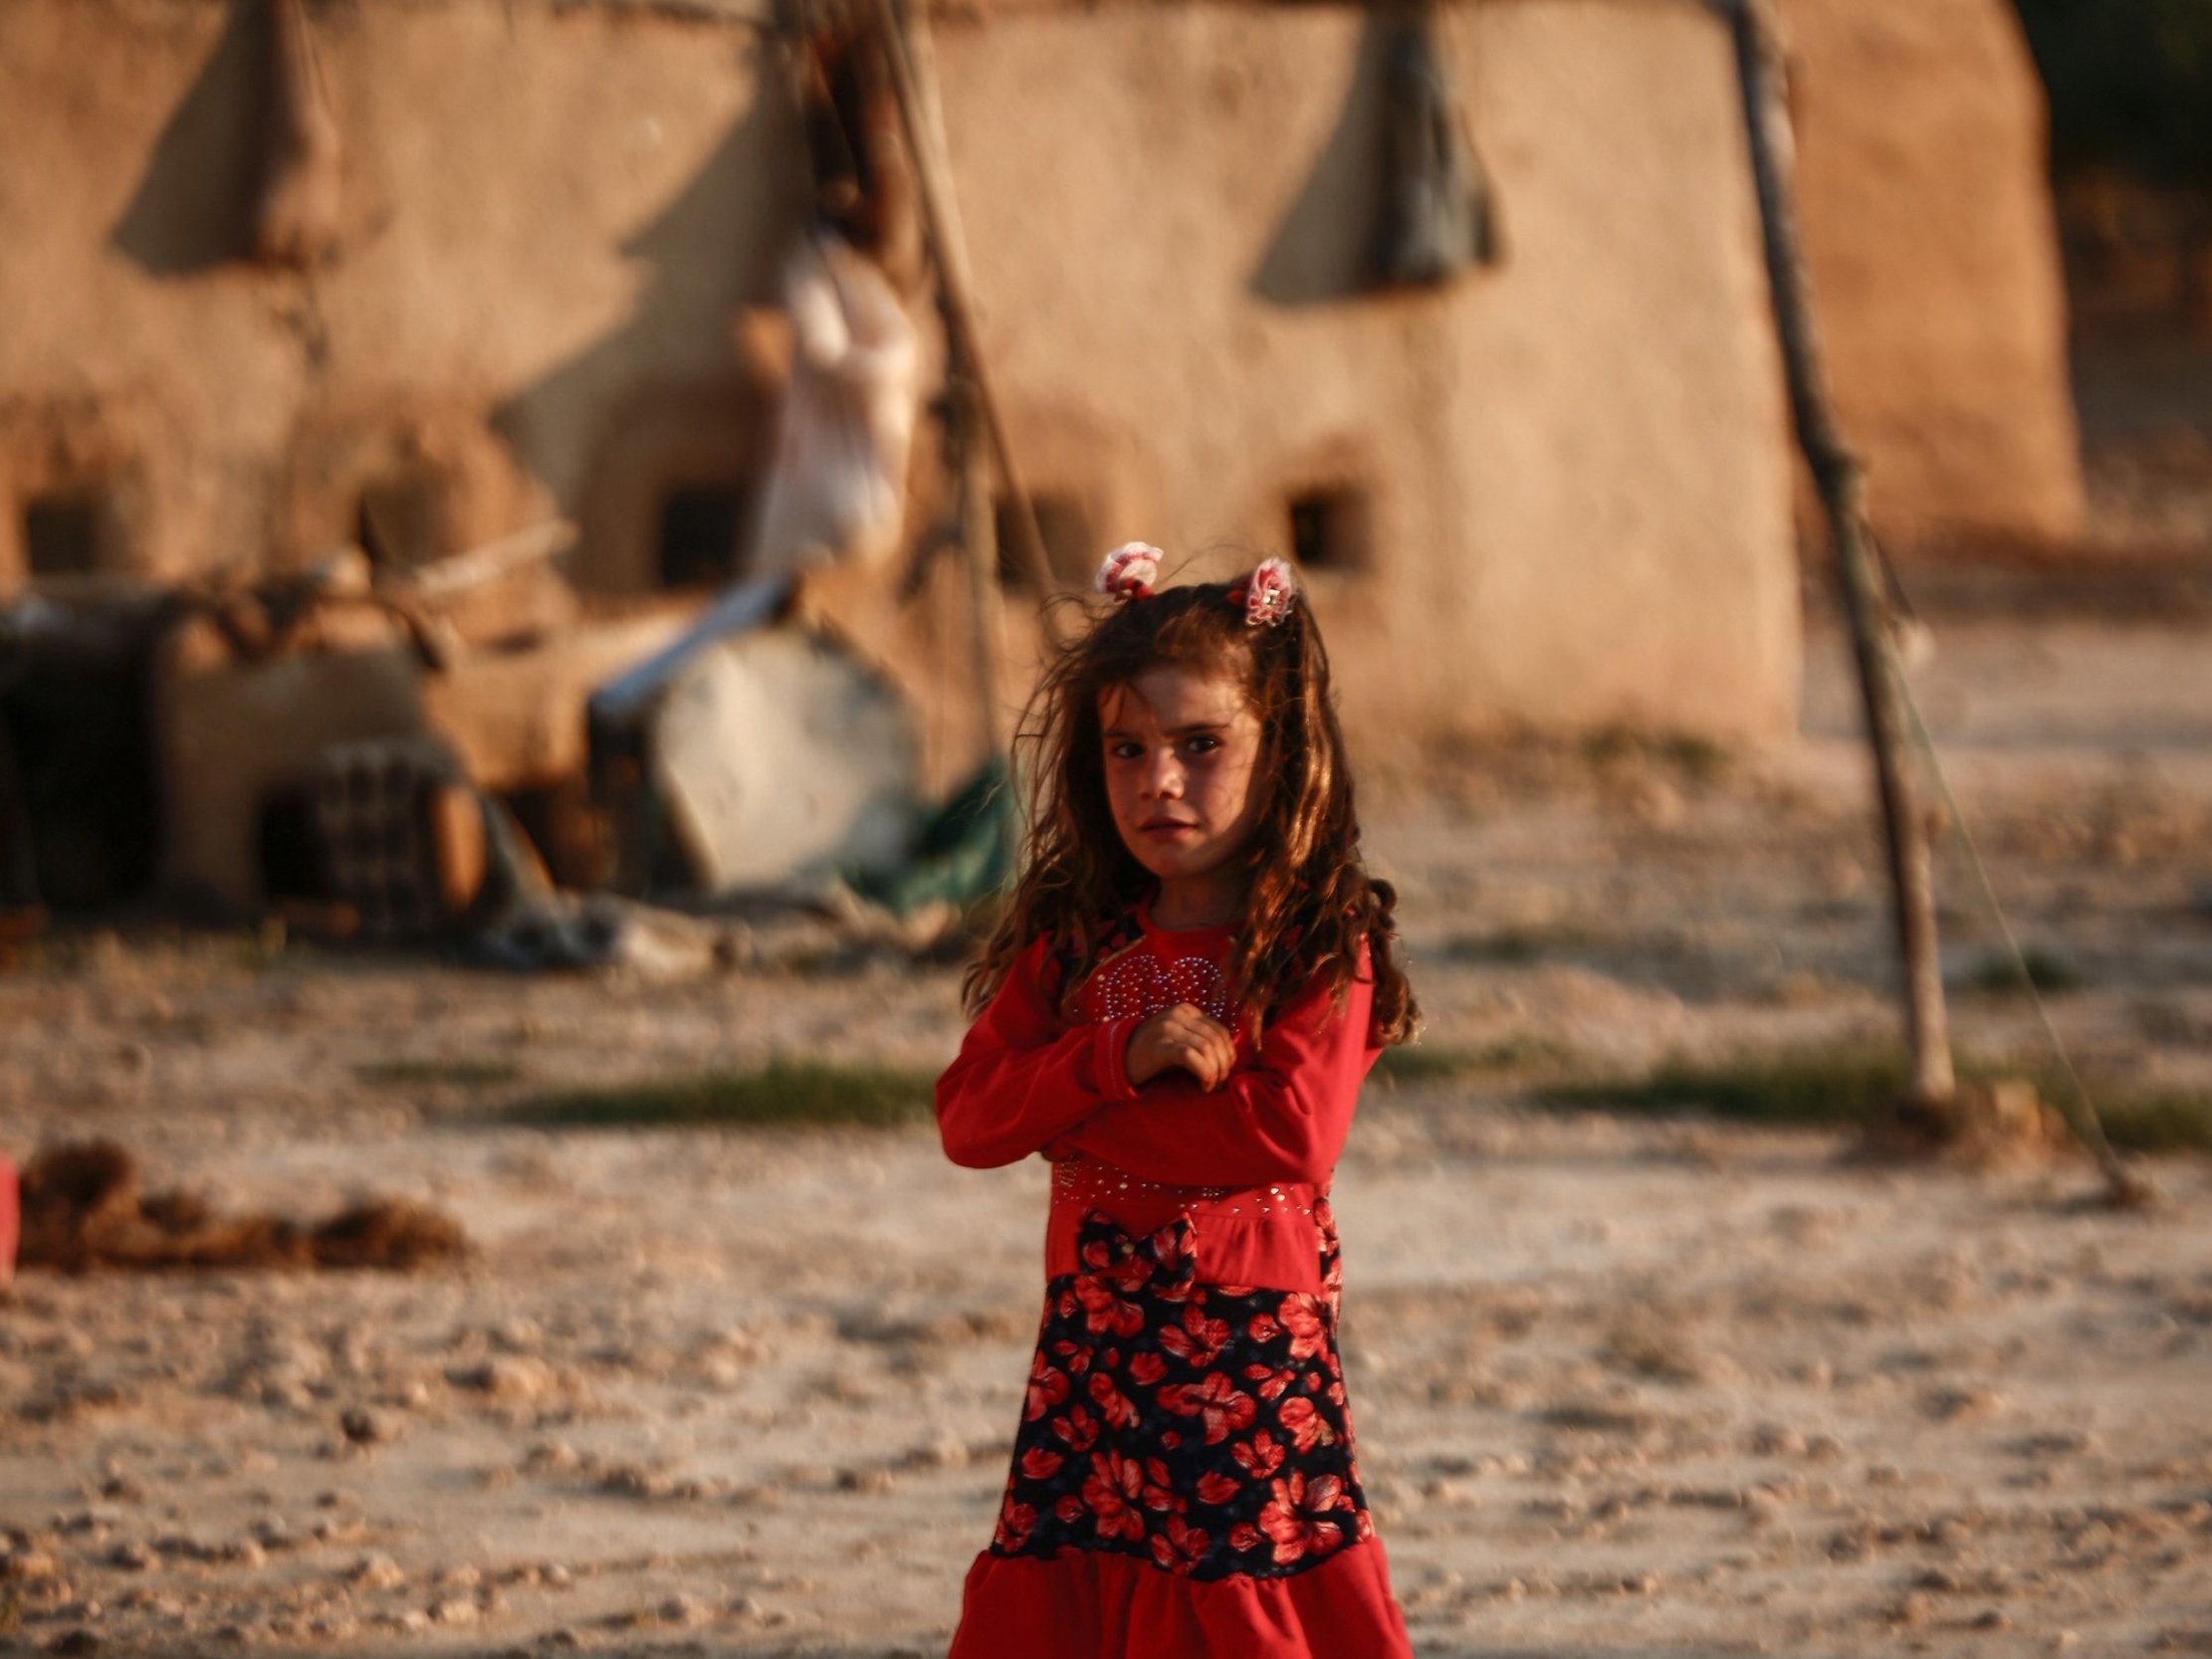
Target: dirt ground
[{"x": 1625, "y": 1385}]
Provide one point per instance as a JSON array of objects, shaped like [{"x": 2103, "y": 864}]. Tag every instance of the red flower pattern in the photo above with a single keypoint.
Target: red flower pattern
[
  {"x": 1111, "y": 1494},
  {"x": 1016, "y": 1523},
  {"x": 1076, "y": 1356},
  {"x": 1113, "y": 1404},
  {"x": 1301, "y": 1317},
  {"x": 1077, "y": 1428},
  {"x": 1217, "y": 1400},
  {"x": 1159, "y": 1493},
  {"x": 1199, "y": 1339},
  {"x": 1179, "y": 1546},
  {"x": 1292, "y": 1517},
  {"x": 1218, "y": 1488},
  {"x": 1103, "y": 1311},
  {"x": 1306, "y": 1426},
  {"x": 1261, "y": 1454},
  {"x": 1274, "y": 1381},
  {"x": 1258, "y": 1481},
  {"x": 1048, "y": 1388}
]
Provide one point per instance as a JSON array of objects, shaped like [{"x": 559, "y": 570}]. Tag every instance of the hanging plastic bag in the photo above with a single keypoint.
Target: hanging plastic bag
[{"x": 839, "y": 488}]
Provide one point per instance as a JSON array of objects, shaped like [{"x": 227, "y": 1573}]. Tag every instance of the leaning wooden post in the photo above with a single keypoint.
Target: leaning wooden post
[
  {"x": 1842, "y": 484},
  {"x": 913, "y": 83},
  {"x": 979, "y": 540}
]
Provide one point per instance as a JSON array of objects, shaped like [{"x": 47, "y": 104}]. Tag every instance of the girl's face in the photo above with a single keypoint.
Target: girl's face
[{"x": 1180, "y": 749}]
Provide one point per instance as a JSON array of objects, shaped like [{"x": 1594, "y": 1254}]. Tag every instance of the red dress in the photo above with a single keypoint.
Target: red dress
[{"x": 1184, "y": 1480}]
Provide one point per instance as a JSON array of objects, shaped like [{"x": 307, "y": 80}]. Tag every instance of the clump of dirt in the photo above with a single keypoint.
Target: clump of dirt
[
  {"x": 82, "y": 1209},
  {"x": 2002, "y": 1125}
]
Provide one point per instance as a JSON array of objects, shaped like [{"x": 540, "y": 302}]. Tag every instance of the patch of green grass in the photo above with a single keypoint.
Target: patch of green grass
[
  {"x": 1850, "y": 1085},
  {"x": 784, "y": 1092},
  {"x": 2156, "y": 1121},
  {"x": 1515, "y": 945},
  {"x": 413, "y": 1074},
  {"x": 1446, "y": 1063},
  {"x": 1797, "y": 1086},
  {"x": 1998, "y": 974},
  {"x": 1508, "y": 944},
  {"x": 1699, "y": 759}
]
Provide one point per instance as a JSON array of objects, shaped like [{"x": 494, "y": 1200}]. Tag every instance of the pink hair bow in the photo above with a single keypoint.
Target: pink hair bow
[
  {"x": 1129, "y": 571},
  {"x": 1266, "y": 594}
]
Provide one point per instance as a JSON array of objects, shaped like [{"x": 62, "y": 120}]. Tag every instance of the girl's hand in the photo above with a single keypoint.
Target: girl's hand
[{"x": 1181, "y": 1036}]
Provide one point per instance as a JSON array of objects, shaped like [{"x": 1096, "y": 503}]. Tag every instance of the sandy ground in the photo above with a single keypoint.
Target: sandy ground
[{"x": 1625, "y": 1386}]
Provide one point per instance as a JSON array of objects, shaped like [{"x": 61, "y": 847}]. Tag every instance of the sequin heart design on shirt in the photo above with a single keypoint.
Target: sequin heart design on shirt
[{"x": 1141, "y": 985}]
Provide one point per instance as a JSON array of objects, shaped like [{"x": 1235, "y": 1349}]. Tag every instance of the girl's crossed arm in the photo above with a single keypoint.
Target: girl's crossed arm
[
  {"x": 1282, "y": 1116},
  {"x": 1024, "y": 1079}
]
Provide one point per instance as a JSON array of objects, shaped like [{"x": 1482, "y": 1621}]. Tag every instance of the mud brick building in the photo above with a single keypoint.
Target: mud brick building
[{"x": 1554, "y": 491}]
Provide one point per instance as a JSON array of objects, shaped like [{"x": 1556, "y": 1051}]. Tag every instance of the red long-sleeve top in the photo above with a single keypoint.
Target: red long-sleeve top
[{"x": 1245, "y": 1162}]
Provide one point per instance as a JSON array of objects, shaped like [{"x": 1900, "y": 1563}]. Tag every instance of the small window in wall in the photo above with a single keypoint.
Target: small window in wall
[
  {"x": 1329, "y": 529},
  {"x": 70, "y": 532},
  {"x": 288, "y": 848},
  {"x": 1070, "y": 544},
  {"x": 402, "y": 519},
  {"x": 700, "y": 526}
]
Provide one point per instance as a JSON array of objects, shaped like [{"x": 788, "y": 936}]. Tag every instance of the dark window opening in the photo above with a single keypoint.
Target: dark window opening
[
  {"x": 70, "y": 532},
  {"x": 402, "y": 520},
  {"x": 77, "y": 807},
  {"x": 1070, "y": 544},
  {"x": 698, "y": 530},
  {"x": 288, "y": 848},
  {"x": 1328, "y": 530}
]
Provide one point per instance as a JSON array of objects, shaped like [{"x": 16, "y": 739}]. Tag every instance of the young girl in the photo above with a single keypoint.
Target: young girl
[{"x": 1192, "y": 979}]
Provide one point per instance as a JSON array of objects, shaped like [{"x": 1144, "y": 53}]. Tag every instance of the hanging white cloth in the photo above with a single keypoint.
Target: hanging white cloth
[{"x": 838, "y": 487}]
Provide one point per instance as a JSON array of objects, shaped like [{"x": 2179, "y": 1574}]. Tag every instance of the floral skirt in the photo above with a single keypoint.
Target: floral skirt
[{"x": 1185, "y": 1464}]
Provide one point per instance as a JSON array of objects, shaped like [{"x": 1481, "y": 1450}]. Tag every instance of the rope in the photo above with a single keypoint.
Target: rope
[{"x": 2127, "y": 1187}]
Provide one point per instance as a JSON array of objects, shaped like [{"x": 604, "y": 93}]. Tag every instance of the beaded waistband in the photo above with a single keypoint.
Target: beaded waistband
[{"x": 1086, "y": 1180}]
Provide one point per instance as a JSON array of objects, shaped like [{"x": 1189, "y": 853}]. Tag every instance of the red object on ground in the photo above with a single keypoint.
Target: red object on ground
[{"x": 11, "y": 1219}]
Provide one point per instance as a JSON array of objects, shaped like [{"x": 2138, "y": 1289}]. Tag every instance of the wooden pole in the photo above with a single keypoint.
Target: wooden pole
[
  {"x": 979, "y": 540},
  {"x": 1841, "y": 484},
  {"x": 914, "y": 80}
]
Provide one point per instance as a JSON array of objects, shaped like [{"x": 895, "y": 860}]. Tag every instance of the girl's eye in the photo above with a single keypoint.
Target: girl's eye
[
  {"x": 1124, "y": 750},
  {"x": 1202, "y": 744}
]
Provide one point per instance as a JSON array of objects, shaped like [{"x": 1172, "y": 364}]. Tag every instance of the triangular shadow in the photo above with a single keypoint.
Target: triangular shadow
[
  {"x": 193, "y": 208},
  {"x": 1325, "y": 246},
  {"x": 760, "y": 144}
]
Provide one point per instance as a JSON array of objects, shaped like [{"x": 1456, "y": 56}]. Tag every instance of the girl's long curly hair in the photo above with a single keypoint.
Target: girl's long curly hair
[{"x": 1310, "y": 903}]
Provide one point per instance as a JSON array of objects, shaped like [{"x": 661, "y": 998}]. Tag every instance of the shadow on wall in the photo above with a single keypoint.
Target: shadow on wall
[
  {"x": 193, "y": 209},
  {"x": 719, "y": 247},
  {"x": 1325, "y": 249}
]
